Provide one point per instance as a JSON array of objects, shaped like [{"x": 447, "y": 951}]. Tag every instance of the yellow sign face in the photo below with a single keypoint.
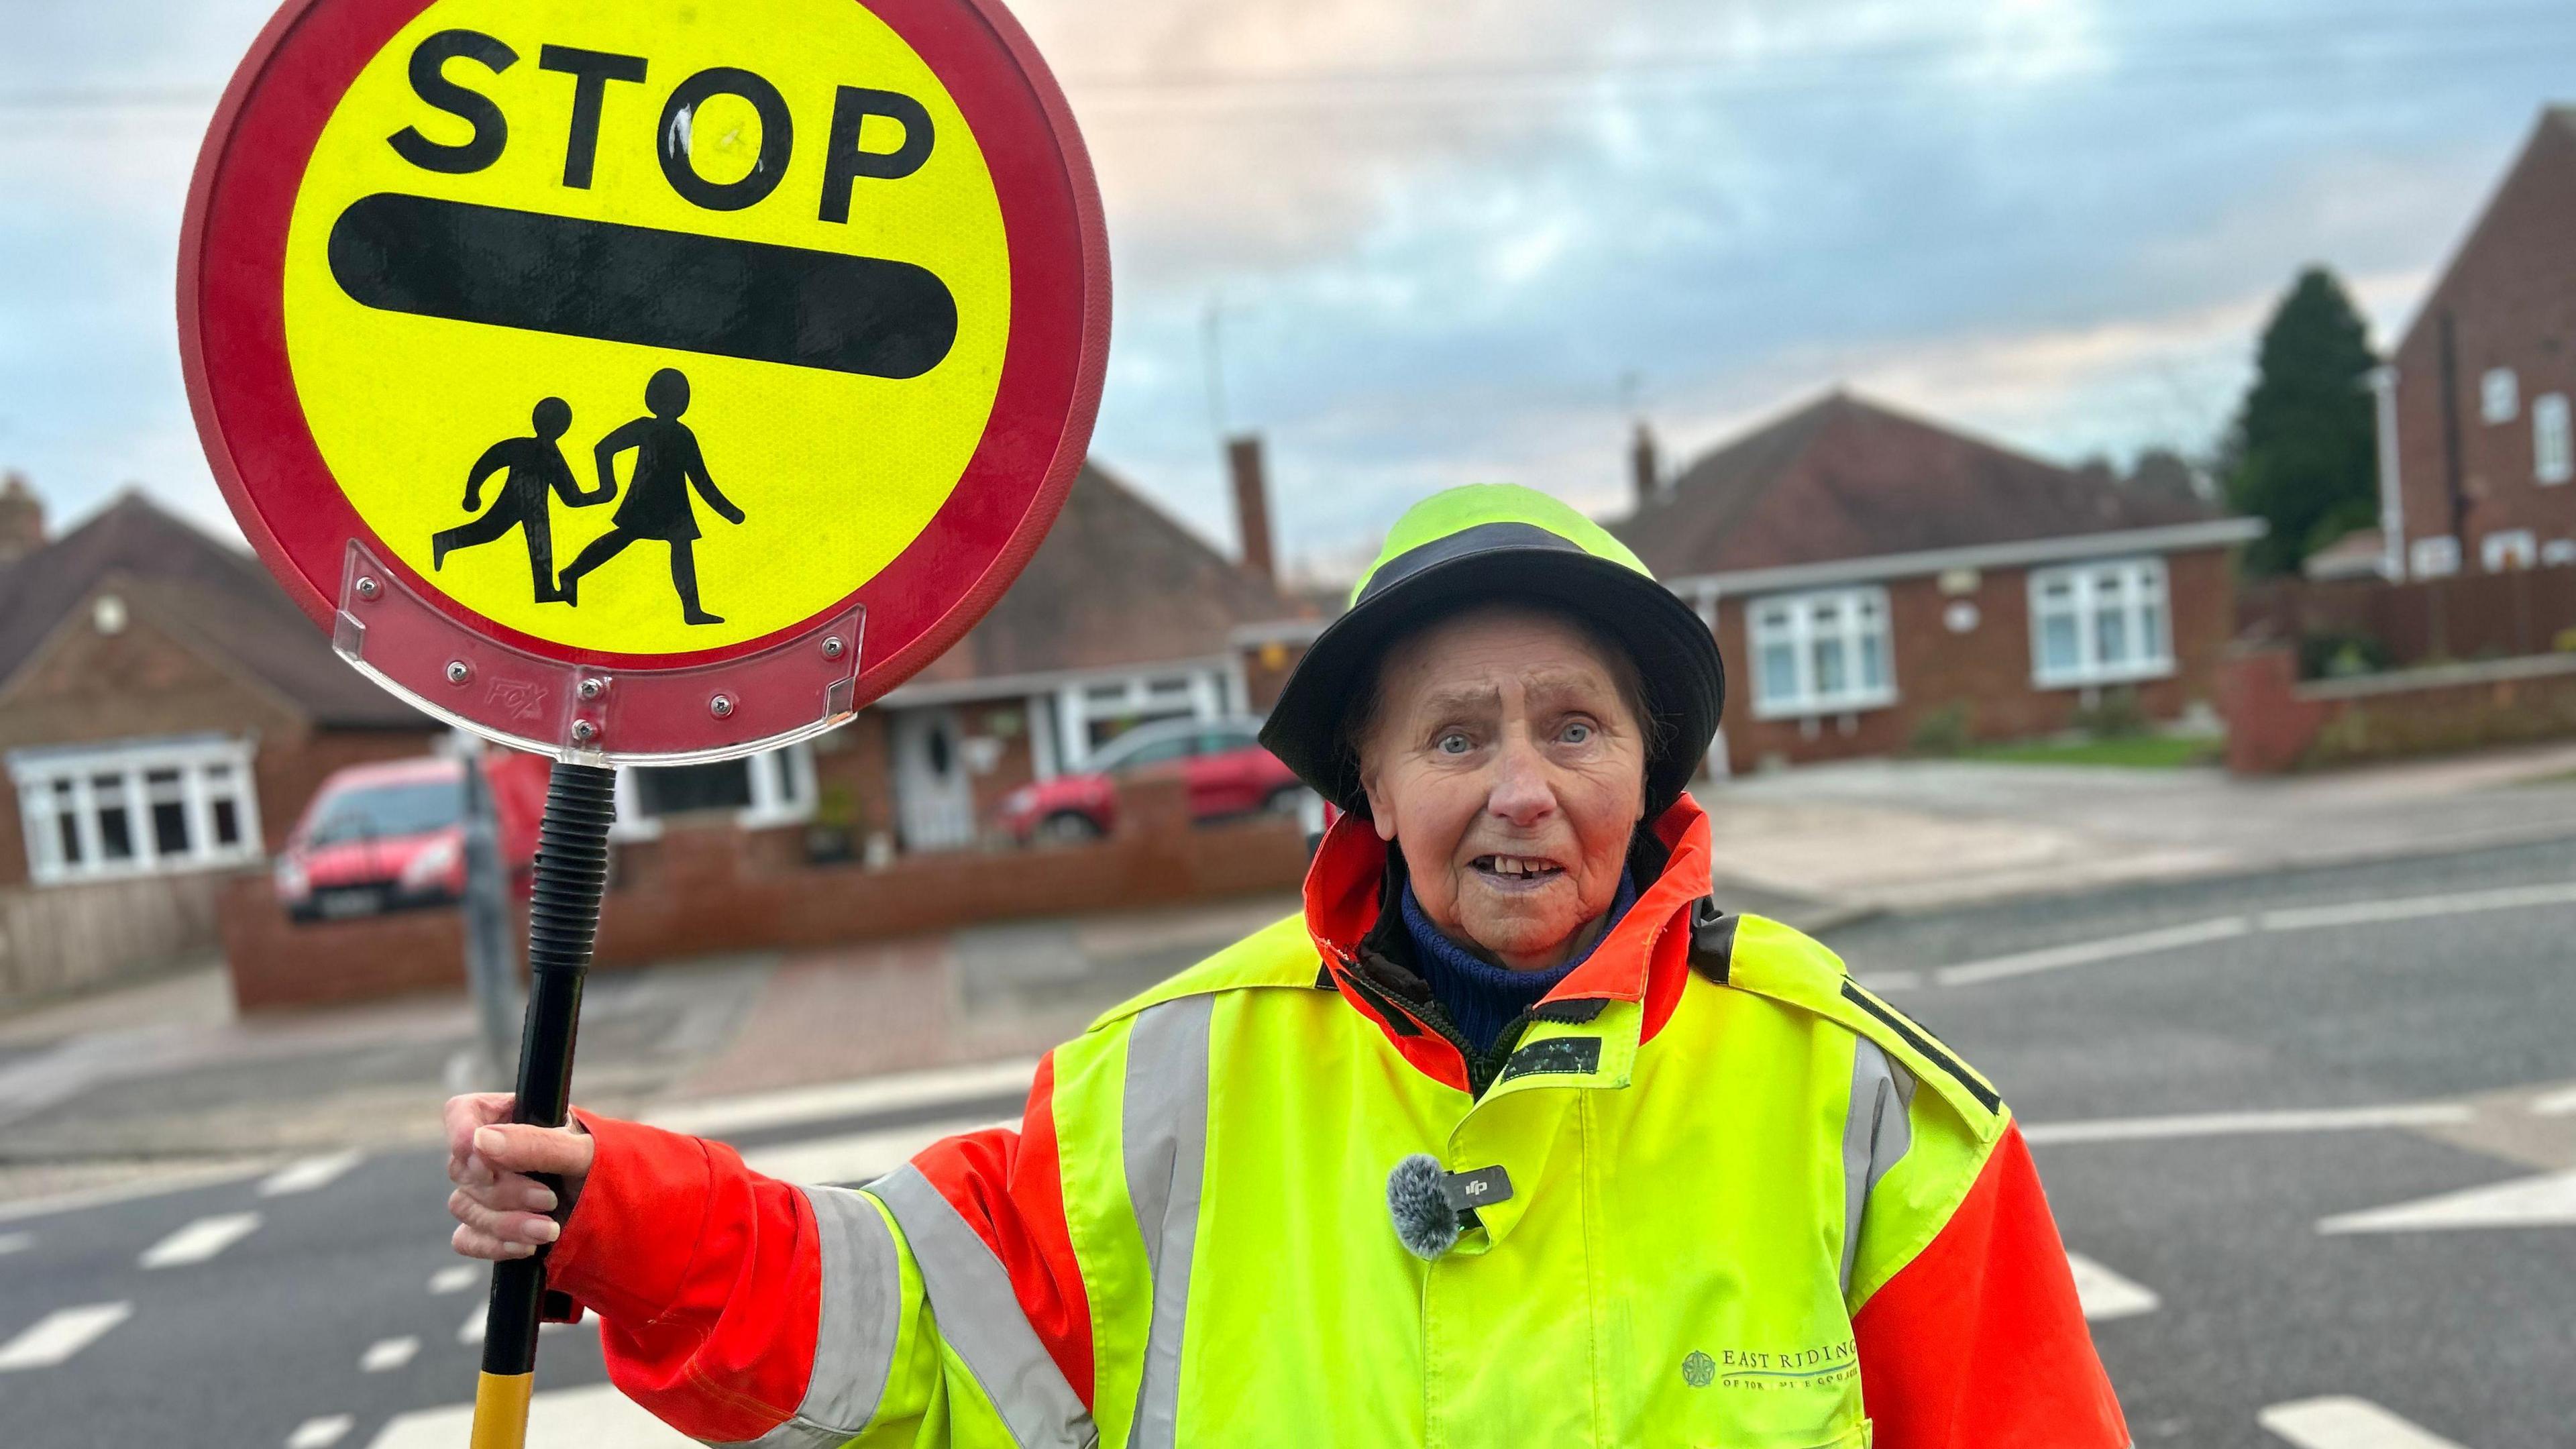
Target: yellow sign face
[{"x": 647, "y": 329}]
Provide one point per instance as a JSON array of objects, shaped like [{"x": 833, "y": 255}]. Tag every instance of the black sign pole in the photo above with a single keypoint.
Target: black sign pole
[{"x": 563, "y": 925}]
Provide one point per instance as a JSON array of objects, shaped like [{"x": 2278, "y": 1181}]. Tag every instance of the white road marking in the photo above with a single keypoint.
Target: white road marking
[
  {"x": 60, "y": 1334},
  {"x": 16, "y": 1242},
  {"x": 858, "y": 1157},
  {"x": 1886, "y": 981},
  {"x": 456, "y": 1278},
  {"x": 2456, "y": 903},
  {"x": 387, "y": 1354},
  {"x": 472, "y": 1332},
  {"x": 200, "y": 1240},
  {"x": 2340, "y": 1421},
  {"x": 2086, "y": 953},
  {"x": 2546, "y": 1201},
  {"x": 2237, "y": 1124},
  {"x": 2106, "y": 1294},
  {"x": 321, "y": 1433},
  {"x": 598, "y": 1417},
  {"x": 722, "y": 1115},
  {"x": 2560, "y": 1103},
  {"x": 2285, "y": 918},
  {"x": 308, "y": 1174}
]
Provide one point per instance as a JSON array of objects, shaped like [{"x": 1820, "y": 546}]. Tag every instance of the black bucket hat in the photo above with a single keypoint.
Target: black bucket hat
[{"x": 1492, "y": 542}]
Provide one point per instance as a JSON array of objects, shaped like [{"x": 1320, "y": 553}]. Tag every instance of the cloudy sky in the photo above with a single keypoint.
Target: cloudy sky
[{"x": 1423, "y": 243}]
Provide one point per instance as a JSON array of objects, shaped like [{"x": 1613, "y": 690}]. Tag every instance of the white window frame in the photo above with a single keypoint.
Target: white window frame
[
  {"x": 1790, "y": 621},
  {"x": 1158, "y": 695},
  {"x": 2142, "y": 585},
  {"x": 2499, "y": 395},
  {"x": 783, "y": 792},
  {"x": 2553, "y": 451},
  {"x": 2558, "y": 552},
  {"x": 2508, "y": 548},
  {"x": 2433, "y": 558},
  {"x": 37, "y": 774}
]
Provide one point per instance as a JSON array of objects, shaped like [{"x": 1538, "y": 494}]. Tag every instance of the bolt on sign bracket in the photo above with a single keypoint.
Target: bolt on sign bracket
[{"x": 592, "y": 714}]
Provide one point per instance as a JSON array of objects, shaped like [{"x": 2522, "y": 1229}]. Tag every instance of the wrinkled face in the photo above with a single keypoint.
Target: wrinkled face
[{"x": 1504, "y": 760}]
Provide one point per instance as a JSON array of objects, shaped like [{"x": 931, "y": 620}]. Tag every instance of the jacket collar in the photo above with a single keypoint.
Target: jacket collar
[{"x": 1643, "y": 960}]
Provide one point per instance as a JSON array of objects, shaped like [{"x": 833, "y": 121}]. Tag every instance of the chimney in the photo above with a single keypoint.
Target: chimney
[
  {"x": 1645, "y": 467},
  {"x": 22, "y": 518},
  {"x": 1251, "y": 503}
]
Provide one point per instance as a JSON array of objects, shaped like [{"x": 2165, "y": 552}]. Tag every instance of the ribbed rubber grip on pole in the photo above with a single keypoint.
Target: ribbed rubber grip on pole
[{"x": 563, "y": 926}]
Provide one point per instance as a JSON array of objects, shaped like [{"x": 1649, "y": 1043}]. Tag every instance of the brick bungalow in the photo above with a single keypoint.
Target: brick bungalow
[
  {"x": 1875, "y": 580},
  {"x": 1121, "y": 617},
  {"x": 165, "y": 714},
  {"x": 2475, "y": 446}
]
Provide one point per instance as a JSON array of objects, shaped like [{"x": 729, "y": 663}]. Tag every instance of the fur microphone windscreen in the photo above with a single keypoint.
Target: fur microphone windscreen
[{"x": 1424, "y": 1221}]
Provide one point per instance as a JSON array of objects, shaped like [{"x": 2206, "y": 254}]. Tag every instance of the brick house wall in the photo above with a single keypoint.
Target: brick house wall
[
  {"x": 1987, "y": 669},
  {"x": 86, "y": 687},
  {"x": 2510, "y": 300}
]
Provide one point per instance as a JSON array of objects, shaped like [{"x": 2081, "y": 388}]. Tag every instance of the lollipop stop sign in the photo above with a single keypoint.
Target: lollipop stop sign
[
  {"x": 643, "y": 382},
  {"x": 638, "y": 383}
]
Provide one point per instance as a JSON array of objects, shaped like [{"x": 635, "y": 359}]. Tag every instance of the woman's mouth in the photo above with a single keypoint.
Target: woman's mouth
[{"x": 1515, "y": 872}]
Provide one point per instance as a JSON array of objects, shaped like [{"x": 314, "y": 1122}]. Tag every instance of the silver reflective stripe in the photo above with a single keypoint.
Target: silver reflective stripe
[
  {"x": 862, "y": 1313},
  {"x": 980, "y": 1319},
  {"x": 1164, "y": 1129},
  {"x": 1877, "y": 1130}
]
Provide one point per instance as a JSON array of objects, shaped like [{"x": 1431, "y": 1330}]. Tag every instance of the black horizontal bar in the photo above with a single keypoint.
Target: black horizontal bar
[{"x": 619, "y": 283}]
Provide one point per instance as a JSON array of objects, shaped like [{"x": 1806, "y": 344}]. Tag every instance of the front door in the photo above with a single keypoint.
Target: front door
[{"x": 934, "y": 797}]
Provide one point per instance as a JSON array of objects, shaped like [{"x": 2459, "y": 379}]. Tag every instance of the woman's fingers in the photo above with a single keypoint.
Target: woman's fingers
[
  {"x": 518, "y": 1147},
  {"x": 500, "y": 1210},
  {"x": 511, "y": 1192},
  {"x": 525, "y": 1229},
  {"x": 473, "y": 1242}
]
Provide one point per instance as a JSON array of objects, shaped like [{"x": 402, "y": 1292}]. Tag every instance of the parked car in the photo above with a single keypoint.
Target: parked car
[
  {"x": 388, "y": 836},
  {"x": 1227, "y": 770}
]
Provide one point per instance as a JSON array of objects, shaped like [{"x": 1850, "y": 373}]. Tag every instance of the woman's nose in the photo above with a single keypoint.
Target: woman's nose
[{"x": 1521, "y": 793}]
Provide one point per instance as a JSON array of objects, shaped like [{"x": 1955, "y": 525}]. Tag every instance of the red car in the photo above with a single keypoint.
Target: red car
[
  {"x": 386, "y": 836},
  {"x": 1228, "y": 771}
]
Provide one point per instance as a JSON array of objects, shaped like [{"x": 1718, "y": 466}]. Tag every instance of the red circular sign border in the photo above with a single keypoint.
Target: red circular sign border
[{"x": 1013, "y": 486}]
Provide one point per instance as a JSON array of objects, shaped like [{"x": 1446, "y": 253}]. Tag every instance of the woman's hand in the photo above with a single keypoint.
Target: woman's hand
[{"x": 501, "y": 1212}]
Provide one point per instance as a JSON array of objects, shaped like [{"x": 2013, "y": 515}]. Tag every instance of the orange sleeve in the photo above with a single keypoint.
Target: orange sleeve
[
  {"x": 708, "y": 1276},
  {"x": 1979, "y": 1343}
]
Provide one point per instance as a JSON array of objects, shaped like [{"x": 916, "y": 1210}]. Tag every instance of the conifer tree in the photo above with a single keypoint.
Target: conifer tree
[{"x": 2302, "y": 454}]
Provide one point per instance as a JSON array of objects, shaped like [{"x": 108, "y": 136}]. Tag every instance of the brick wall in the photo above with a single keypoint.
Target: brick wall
[
  {"x": 2511, "y": 300},
  {"x": 693, "y": 892},
  {"x": 2276, "y": 724},
  {"x": 1986, "y": 670}
]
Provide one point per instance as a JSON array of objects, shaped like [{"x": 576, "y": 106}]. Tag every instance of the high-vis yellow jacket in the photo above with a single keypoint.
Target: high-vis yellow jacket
[{"x": 1710, "y": 1194}]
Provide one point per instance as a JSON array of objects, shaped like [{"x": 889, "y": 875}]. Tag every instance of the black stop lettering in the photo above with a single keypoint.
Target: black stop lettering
[
  {"x": 429, "y": 81},
  {"x": 591, "y": 71},
  {"x": 777, "y": 138},
  {"x": 843, "y": 161}
]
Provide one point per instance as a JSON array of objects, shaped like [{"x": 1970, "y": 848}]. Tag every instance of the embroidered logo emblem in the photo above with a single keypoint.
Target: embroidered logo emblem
[{"x": 1698, "y": 1370}]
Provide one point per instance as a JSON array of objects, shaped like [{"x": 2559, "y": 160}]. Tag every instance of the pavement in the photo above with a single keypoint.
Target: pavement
[
  {"x": 1912, "y": 834},
  {"x": 2310, "y": 1136}
]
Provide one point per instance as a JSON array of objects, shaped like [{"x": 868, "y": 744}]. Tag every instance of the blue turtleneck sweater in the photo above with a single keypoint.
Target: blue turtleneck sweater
[{"x": 1481, "y": 997}]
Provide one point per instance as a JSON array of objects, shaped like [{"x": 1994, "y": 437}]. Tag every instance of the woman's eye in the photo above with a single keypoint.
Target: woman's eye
[
  {"x": 1576, "y": 733},
  {"x": 1452, "y": 743}
]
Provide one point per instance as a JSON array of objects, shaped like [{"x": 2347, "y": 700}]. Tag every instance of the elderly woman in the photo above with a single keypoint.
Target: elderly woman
[{"x": 1511, "y": 1138}]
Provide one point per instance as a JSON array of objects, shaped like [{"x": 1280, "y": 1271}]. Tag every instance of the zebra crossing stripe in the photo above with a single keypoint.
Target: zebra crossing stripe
[
  {"x": 308, "y": 1174},
  {"x": 200, "y": 1240},
  {"x": 2339, "y": 1421},
  {"x": 60, "y": 1334},
  {"x": 321, "y": 1432},
  {"x": 2107, "y": 1295}
]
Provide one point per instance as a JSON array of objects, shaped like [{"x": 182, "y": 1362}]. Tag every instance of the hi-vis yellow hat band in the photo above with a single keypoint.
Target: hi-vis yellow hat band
[{"x": 1504, "y": 544}]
